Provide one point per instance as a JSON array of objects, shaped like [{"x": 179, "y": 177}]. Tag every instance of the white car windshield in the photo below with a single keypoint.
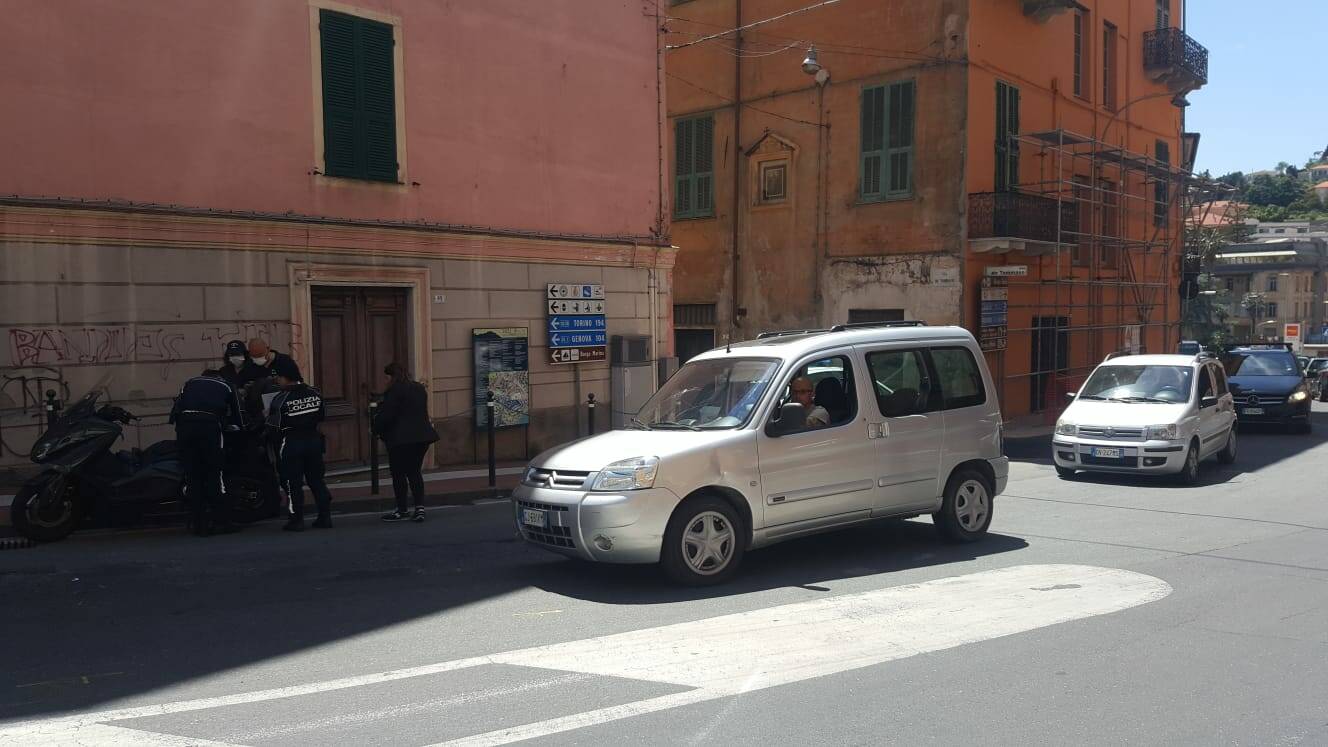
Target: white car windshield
[
  {"x": 709, "y": 394},
  {"x": 1139, "y": 384}
]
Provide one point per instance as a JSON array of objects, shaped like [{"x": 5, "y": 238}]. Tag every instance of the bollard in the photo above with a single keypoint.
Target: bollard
[
  {"x": 373, "y": 448},
  {"x": 52, "y": 408},
  {"x": 493, "y": 466},
  {"x": 590, "y": 412}
]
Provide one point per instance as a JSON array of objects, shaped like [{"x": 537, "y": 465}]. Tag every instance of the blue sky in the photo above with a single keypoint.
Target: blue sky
[{"x": 1267, "y": 94}]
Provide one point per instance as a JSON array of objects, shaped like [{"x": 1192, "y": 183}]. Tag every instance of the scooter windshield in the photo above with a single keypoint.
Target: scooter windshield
[{"x": 68, "y": 427}]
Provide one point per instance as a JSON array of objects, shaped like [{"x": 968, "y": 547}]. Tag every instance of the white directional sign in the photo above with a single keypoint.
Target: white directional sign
[
  {"x": 575, "y": 290},
  {"x": 557, "y": 306}
]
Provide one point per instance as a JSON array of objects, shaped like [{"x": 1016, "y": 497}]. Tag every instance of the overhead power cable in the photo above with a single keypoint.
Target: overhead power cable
[{"x": 754, "y": 24}]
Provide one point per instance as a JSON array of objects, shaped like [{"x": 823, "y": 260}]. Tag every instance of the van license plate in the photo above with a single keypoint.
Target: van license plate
[
  {"x": 533, "y": 517},
  {"x": 1106, "y": 453},
  {"x": 1253, "y": 410}
]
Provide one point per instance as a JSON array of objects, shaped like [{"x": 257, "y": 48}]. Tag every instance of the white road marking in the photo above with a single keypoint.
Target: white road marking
[{"x": 742, "y": 652}]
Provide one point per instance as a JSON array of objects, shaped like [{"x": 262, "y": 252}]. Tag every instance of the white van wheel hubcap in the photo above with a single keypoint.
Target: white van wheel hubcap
[
  {"x": 707, "y": 543},
  {"x": 971, "y": 505}
]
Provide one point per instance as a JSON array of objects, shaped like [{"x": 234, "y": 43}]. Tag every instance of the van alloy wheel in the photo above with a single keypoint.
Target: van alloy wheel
[{"x": 707, "y": 543}]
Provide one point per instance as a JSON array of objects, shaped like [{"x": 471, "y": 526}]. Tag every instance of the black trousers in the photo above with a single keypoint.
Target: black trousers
[
  {"x": 300, "y": 463},
  {"x": 405, "y": 461},
  {"x": 203, "y": 456}
]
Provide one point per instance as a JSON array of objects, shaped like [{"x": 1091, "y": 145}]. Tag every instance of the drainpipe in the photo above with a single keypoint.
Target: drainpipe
[
  {"x": 737, "y": 175},
  {"x": 653, "y": 274}
]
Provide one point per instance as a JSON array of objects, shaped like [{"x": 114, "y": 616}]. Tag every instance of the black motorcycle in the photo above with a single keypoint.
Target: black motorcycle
[{"x": 84, "y": 479}]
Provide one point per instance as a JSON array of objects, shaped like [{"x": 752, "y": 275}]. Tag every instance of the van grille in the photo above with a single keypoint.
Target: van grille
[{"x": 556, "y": 479}]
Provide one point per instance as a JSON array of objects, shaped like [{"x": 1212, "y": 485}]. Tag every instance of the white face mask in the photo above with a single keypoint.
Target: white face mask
[{"x": 236, "y": 360}]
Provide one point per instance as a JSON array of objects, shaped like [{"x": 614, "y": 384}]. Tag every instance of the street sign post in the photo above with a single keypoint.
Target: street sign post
[
  {"x": 578, "y": 330},
  {"x": 993, "y": 313}
]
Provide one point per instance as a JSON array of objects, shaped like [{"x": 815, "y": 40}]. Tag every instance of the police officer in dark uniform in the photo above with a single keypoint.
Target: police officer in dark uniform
[
  {"x": 206, "y": 408},
  {"x": 295, "y": 414},
  {"x": 238, "y": 369}
]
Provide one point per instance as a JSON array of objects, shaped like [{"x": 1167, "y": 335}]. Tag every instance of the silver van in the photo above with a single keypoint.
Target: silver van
[{"x": 787, "y": 435}]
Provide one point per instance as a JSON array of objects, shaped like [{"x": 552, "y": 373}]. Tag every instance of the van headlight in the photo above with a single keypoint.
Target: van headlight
[
  {"x": 637, "y": 473},
  {"x": 1300, "y": 395},
  {"x": 1168, "y": 432},
  {"x": 1066, "y": 429}
]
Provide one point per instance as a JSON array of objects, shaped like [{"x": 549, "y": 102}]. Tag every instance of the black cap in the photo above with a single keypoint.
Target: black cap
[
  {"x": 286, "y": 368},
  {"x": 235, "y": 347}
]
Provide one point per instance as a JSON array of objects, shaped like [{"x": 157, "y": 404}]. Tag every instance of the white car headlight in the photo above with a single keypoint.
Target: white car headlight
[
  {"x": 1066, "y": 429},
  {"x": 1168, "y": 432},
  {"x": 1300, "y": 395},
  {"x": 637, "y": 473}
]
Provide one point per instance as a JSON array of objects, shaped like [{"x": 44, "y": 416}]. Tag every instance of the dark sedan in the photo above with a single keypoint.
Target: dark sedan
[{"x": 1268, "y": 387}]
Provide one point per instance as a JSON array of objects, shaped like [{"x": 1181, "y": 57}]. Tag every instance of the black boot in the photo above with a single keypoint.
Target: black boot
[
  {"x": 324, "y": 521},
  {"x": 294, "y": 524}
]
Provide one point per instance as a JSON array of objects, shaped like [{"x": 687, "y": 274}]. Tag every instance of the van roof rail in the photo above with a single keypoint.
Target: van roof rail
[
  {"x": 868, "y": 325},
  {"x": 1115, "y": 354},
  {"x": 788, "y": 332}
]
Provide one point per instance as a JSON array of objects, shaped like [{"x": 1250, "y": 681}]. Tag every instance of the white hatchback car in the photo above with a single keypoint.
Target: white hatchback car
[
  {"x": 779, "y": 437},
  {"x": 1148, "y": 414}
]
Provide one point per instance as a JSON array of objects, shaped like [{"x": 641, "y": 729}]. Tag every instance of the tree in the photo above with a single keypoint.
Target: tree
[
  {"x": 1280, "y": 190},
  {"x": 1282, "y": 167},
  {"x": 1235, "y": 178}
]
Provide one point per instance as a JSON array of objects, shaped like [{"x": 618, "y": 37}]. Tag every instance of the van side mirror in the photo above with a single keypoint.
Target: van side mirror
[
  {"x": 1208, "y": 402},
  {"x": 792, "y": 418},
  {"x": 1069, "y": 396}
]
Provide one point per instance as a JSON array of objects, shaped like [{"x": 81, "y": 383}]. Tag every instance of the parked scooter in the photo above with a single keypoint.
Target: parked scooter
[{"x": 83, "y": 478}]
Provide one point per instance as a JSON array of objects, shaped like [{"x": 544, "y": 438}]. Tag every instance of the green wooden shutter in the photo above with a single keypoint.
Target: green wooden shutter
[
  {"x": 873, "y": 143},
  {"x": 1007, "y": 128},
  {"x": 359, "y": 97},
  {"x": 703, "y": 160},
  {"x": 900, "y": 139},
  {"x": 378, "y": 86},
  {"x": 682, "y": 169},
  {"x": 694, "y": 167},
  {"x": 340, "y": 99},
  {"x": 1161, "y": 188}
]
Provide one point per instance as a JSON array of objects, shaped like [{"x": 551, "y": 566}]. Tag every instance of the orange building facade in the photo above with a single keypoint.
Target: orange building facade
[{"x": 925, "y": 148}]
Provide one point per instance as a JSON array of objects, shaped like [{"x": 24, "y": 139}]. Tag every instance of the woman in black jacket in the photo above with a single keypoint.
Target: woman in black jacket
[{"x": 403, "y": 424}]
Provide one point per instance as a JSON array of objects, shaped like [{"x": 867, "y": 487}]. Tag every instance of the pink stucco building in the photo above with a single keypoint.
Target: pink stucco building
[{"x": 356, "y": 182}]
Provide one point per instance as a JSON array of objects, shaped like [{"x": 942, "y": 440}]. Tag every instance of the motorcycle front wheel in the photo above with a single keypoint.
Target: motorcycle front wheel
[
  {"x": 252, "y": 499},
  {"x": 45, "y": 520}
]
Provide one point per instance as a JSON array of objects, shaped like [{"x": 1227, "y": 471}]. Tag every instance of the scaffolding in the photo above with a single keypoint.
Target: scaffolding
[{"x": 1103, "y": 226}]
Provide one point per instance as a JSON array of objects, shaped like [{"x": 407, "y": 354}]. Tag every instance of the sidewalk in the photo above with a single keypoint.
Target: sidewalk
[{"x": 454, "y": 486}]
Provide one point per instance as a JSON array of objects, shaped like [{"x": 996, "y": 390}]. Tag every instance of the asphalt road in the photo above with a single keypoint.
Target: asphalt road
[{"x": 1099, "y": 611}]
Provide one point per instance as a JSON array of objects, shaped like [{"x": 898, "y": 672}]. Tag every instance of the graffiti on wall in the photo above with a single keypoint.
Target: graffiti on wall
[{"x": 68, "y": 346}]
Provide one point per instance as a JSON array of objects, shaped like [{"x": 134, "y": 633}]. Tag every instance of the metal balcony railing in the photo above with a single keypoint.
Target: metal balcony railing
[
  {"x": 1173, "y": 53},
  {"x": 1019, "y": 215}
]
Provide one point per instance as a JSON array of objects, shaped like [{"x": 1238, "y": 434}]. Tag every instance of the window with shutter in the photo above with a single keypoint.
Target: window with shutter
[
  {"x": 359, "y": 97},
  {"x": 693, "y": 171},
  {"x": 1007, "y": 131},
  {"x": 1161, "y": 188},
  {"x": 886, "y": 150}
]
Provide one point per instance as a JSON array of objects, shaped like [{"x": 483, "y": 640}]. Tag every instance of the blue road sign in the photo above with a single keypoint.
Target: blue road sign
[
  {"x": 577, "y": 339},
  {"x": 592, "y": 323}
]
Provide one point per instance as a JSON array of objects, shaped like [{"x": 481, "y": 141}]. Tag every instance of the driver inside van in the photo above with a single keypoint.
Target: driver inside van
[{"x": 803, "y": 393}]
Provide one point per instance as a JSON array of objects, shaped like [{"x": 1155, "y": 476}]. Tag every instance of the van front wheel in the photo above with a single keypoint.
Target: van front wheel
[
  {"x": 703, "y": 544},
  {"x": 966, "y": 509}
]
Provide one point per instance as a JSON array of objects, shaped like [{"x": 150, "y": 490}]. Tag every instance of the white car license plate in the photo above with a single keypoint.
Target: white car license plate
[
  {"x": 1106, "y": 453},
  {"x": 533, "y": 517},
  {"x": 1253, "y": 410}
]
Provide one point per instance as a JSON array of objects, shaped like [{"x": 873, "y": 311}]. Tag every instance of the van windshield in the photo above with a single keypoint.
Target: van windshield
[{"x": 718, "y": 393}]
